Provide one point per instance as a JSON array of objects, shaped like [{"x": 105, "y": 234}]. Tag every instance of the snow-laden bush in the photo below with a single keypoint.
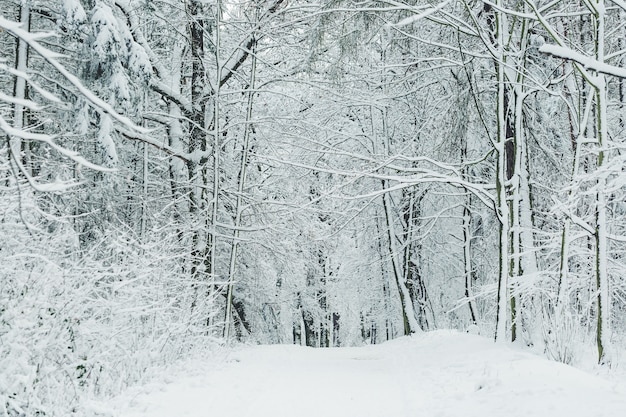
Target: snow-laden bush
[
  {"x": 79, "y": 323},
  {"x": 561, "y": 338}
]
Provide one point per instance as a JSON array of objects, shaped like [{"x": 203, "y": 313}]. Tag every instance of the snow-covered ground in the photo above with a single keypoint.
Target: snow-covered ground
[{"x": 436, "y": 374}]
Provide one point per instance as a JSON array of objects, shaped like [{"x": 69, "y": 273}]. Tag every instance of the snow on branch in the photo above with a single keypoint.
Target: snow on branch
[
  {"x": 29, "y": 104},
  {"x": 400, "y": 181},
  {"x": 51, "y": 57},
  {"x": 620, "y": 3},
  {"x": 585, "y": 61},
  {"x": 131, "y": 135},
  {"x": 49, "y": 140},
  {"x": 126, "y": 127},
  {"x": 45, "y": 94},
  {"x": 17, "y": 131},
  {"x": 412, "y": 19}
]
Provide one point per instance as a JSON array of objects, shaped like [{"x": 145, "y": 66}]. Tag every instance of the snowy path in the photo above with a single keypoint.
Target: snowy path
[{"x": 432, "y": 375}]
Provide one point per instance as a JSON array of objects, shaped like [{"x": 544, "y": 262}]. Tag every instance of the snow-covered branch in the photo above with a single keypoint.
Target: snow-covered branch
[
  {"x": 412, "y": 19},
  {"x": 49, "y": 140},
  {"x": 52, "y": 58},
  {"x": 138, "y": 136},
  {"x": 585, "y": 61},
  {"x": 620, "y": 3},
  {"x": 423, "y": 176}
]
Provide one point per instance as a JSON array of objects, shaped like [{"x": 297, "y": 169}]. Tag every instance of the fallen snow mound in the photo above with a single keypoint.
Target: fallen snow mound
[{"x": 435, "y": 374}]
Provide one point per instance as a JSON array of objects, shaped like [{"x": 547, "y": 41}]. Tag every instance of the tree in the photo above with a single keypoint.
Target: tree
[{"x": 594, "y": 71}]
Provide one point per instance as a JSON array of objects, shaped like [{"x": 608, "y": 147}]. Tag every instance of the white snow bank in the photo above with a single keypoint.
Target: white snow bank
[{"x": 434, "y": 374}]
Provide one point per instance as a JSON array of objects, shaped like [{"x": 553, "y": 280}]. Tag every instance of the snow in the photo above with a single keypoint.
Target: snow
[
  {"x": 585, "y": 61},
  {"x": 74, "y": 10},
  {"x": 52, "y": 57},
  {"x": 441, "y": 373},
  {"x": 414, "y": 18},
  {"x": 106, "y": 141},
  {"x": 620, "y": 3}
]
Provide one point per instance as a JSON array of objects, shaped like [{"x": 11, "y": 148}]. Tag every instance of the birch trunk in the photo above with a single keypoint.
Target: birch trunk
[{"x": 21, "y": 64}]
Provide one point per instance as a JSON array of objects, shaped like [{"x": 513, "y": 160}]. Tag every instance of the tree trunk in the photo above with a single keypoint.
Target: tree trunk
[
  {"x": 240, "y": 189},
  {"x": 603, "y": 336},
  {"x": 408, "y": 313},
  {"x": 197, "y": 146},
  {"x": 19, "y": 92},
  {"x": 503, "y": 208}
]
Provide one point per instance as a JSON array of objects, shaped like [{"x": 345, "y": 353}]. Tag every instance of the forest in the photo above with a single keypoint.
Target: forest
[{"x": 178, "y": 174}]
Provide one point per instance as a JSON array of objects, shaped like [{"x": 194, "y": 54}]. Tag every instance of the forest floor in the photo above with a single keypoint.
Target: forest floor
[{"x": 437, "y": 374}]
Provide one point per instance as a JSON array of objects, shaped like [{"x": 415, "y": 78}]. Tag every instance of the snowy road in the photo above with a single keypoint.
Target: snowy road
[{"x": 432, "y": 375}]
